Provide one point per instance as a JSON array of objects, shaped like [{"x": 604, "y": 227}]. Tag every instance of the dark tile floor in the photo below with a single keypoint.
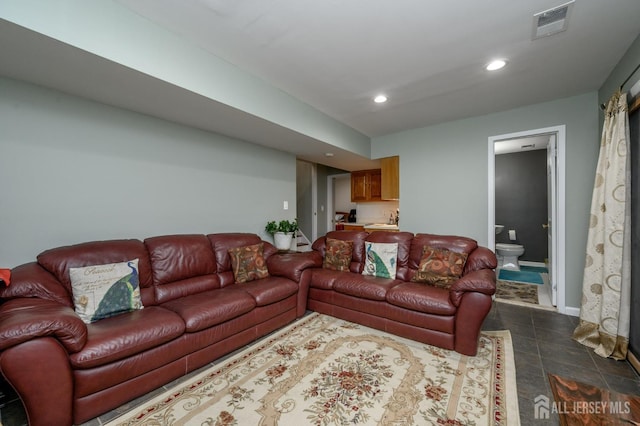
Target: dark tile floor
[{"x": 542, "y": 344}]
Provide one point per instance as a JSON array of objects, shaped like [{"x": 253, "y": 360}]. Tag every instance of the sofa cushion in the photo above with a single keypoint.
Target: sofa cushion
[
  {"x": 338, "y": 255},
  {"x": 203, "y": 310},
  {"x": 449, "y": 242},
  {"x": 33, "y": 281},
  {"x": 248, "y": 263},
  {"x": 102, "y": 291},
  {"x": 403, "y": 239},
  {"x": 324, "y": 278},
  {"x": 381, "y": 259},
  {"x": 221, "y": 244},
  {"x": 421, "y": 298},
  {"x": 270, "y": 290},
  {"x": 118, "y": 337},
  {"x": 179, "y": 257},
  {"x": 358, "y": 237},
  {"x": 364, "y": 286},
  {"x": 58, "y": 261},
  {"x": 440, "y": 267}
]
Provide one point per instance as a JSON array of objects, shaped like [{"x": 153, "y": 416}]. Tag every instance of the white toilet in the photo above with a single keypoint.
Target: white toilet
[{"x": 508, "y": 255}]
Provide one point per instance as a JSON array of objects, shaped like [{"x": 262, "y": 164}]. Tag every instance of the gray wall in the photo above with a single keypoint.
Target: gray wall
[
  {"x": 444, "y": 173},
  {"x": 521, "y": 201},
  {"x": 72, "y": 170},
  {"x": 627, "y": 64},
  {"x": 304, "y": 196}
]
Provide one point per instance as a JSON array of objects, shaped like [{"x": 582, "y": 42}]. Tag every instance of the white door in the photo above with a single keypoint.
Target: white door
[{"x": 551, "y": 213}]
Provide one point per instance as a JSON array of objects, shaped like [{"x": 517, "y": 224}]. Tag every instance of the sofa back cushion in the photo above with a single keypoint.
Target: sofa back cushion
[
  {"x": 221, "y": 243},
  {"x": 403, "y": 239},
  {"x": 58, "y": 261},
  {"x": 181, "y": 265},
  {"x": 357, "y": 257},
  {"x": 449, "y": 242}
]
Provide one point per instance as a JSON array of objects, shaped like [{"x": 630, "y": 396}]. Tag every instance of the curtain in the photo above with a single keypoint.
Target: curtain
[{"x": 606, "y": 285}]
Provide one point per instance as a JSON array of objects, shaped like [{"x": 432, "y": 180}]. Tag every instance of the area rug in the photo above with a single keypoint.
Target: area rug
[
  {"x": 530, "y": 275},
  {"x": 325, "y": 371},
  {"x": 582, "y": 404},
  {"x": 519, "y": 292}
]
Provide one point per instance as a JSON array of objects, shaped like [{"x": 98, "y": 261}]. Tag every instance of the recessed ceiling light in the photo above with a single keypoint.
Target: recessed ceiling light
[
  {"x": 380, "y": 99},
  {"x": 496, "y": 65},
  {"x": 328, "y": 154}
]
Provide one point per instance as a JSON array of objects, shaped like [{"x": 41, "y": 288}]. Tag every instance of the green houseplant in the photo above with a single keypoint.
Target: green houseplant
[{"x": 282, "y": 232}]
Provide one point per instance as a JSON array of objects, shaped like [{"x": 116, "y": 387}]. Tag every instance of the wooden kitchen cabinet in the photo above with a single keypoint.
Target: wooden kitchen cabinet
[
  {"x": 390, "y": 181},
  {"x": 366, "y": 185},
  {"x": 353, "y": 227}
]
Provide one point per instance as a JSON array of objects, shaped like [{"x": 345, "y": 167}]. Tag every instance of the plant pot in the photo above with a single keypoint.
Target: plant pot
[{"x": 282, "y": 240}]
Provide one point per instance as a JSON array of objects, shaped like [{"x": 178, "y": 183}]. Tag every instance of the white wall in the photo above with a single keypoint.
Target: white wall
[
  {"x": 342, "y": 194},
  {"x": 443, "y": 170},
  {"x": 73, "y": 170}
]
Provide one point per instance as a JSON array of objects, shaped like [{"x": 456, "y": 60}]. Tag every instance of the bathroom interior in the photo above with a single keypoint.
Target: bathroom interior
[{"x": 521, "y": 214}]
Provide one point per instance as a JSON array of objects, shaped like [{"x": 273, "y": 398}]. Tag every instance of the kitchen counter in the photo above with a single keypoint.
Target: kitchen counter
[
  {"x": 381, "y": 227},
  {"x": 368, "y": 226}
]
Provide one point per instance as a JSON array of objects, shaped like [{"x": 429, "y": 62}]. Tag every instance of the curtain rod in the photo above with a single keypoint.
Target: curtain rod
[{"x": 604, "y": 106}]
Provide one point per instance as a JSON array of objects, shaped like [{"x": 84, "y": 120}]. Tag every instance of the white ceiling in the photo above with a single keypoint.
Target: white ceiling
[{"x": 427, "y": 56}]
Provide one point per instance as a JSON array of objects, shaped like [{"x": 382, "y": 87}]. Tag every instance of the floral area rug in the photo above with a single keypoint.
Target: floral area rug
[
  {"x": 324, "y": 371},
  {"x": 517, "y": 292}
]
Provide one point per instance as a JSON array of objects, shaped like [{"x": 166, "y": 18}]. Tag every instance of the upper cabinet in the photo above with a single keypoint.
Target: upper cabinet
[
  {"x": 366, "y": 185},
  {"x": 390, "y": 183},
  {"x": 377, "y": 184}
]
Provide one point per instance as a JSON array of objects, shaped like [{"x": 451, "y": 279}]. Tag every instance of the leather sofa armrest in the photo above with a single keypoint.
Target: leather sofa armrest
[
  {"x": 482, "y": 281},
  {"x": 291, "y": 265},
  {"x": 29, "y": 318},
  {"x": 480, "y": 258}
]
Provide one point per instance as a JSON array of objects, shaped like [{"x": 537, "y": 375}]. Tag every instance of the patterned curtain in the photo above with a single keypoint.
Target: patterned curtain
[{"x": 606, "y": 286}]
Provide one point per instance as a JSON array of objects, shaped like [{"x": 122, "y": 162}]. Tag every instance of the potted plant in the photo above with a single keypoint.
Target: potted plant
[{"x": 282, "y": 232}]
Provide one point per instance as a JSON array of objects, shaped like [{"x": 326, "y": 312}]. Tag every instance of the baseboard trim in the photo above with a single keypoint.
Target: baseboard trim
[
  {"x": 574, "y": 312},
  {"x": 529, "y": 263}
]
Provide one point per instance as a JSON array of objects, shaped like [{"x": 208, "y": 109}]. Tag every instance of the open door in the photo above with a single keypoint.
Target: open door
[
  {"x": 556, "y": 204},
  {"x": 551, "y": 209}
]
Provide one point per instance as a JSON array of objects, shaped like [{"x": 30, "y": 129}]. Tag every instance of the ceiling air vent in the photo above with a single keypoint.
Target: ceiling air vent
[{"x": 551, "y": 21}]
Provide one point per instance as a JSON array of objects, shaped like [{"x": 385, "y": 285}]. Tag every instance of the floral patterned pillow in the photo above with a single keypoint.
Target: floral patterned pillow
[
  {"x": 381, "y": 259},
  {"x": 337, "y": 255},
  {"x": 440, "y": 267},
  {"x": 248, "y": 263}
]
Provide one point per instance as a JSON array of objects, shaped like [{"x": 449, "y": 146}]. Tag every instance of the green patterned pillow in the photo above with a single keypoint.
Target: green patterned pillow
[
  {"x": 102, "y": 291},
  {"x": 381, "y": 259}
]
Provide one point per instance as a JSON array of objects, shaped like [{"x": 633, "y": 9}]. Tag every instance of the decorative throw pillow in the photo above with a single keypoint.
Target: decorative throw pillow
[
  {"x": 381, "y": 259},
  {"x": 440, "y": 267},
  {"x": 102, "y": 291},
  {"x": 248, "y": 263},
  {"x": 337, "y": 255},
  {"x": 5, "y": 276}
]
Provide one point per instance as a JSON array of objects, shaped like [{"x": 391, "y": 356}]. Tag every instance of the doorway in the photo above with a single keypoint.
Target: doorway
[
  {"x": 306, "y": 201},
  {"x": 338, "y": 197},
  {"x": 552, "y": 140}
]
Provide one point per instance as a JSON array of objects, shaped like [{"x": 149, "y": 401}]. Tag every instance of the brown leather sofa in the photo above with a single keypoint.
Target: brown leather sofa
[
  {"x": 448, "y": 318},
  {"x": 66, "y": 371}
]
